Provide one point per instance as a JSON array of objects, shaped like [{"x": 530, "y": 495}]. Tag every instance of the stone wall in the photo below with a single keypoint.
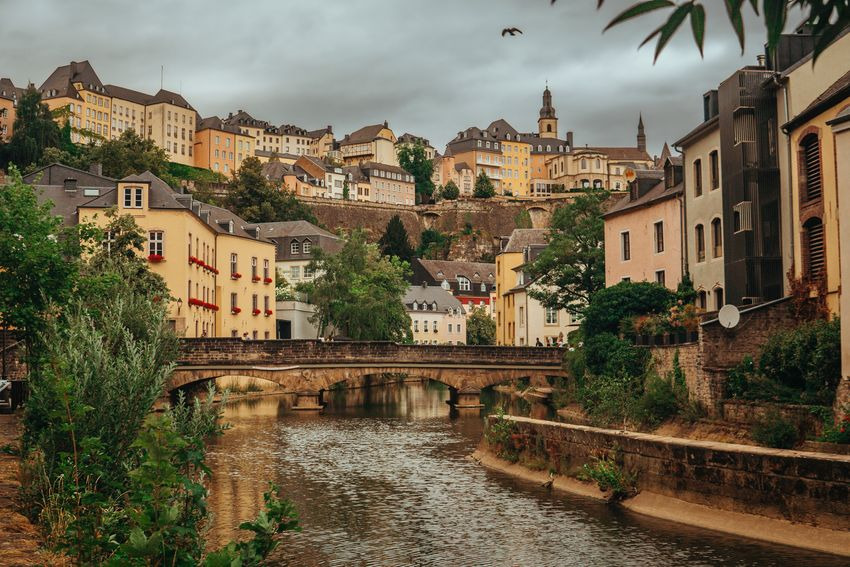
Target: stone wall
[
  {"x": 662, "y": 360},
  {"x": 811, "y": 488},
  {"x": 748, "y": 413}
]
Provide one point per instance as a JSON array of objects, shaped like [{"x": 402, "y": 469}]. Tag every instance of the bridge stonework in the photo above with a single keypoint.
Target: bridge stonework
[{"x": 308, "y": 367}]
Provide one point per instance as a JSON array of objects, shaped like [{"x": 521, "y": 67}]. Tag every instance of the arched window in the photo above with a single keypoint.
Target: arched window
[
  {"x": 415, "y": 306},
  {"x": 462, "y": 283},
  {"x": 583, "y": 163},
  {"x": 445, "y": 285},
  {"x": 548, "y": 127},
  {"x": 810, "y": 168},
  {"x": 717, "y": 238},
  {"x": 702, "y": 300},
  {"x": 813, "y": 248},
  {"x": 718, "y": 298},
  {"x": 699, "y": 241},
  {"x": 597, "y": 184}
]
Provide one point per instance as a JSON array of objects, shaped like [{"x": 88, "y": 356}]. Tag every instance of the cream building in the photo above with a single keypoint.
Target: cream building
[
  {"x": 294, "y": 140},
  {"x": 436, "y": 316},
  {"x": 321, "y": 142},
  {"x": 295, "y": 244},
  {"x": 375, "y": 143},
  {"x": 512, "y": 256}
]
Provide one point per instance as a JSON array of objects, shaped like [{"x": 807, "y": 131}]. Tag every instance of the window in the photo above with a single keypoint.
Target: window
[
  {"x": 445, "y": 285},
  {"x": 132, "y": 197},
  {"x": 625, "y": 247},
  {"x": 521, "y": 316},
  {"x": 155, "y": 243},
  {"x": 463, "y": 283},
  {"x": 714, "y": 163},
  {"x": 295, "y": 273},
  {"x": 810, "y": 168},
  {"x": 697, "y": 177},
  {"x": 718, "y": 298},
  {"x": 295, "y": 247},
  {"x": 253, "y": 267},
  {"x": 425, "y": 325},
  {"x": 415, "y": 306},
  {"x": 659, "y": 237},
  {"x": 660, "y": 277},
  {"x": 717, "y": 238},
  {"x": 265, "y": 269},
  {"x": 233, "y": 266},
  {"x": 551, "y": 315},
  {"x": 306, "y": 246},
  {"x": 255, "y": 302},
  {"x": 699, "y": 241},
  {"x": 702, "y": 300},
  {"x": 415, "y": 322},
  {"x": 234, "y": 304},
  {"x": 813, "y": 248}
]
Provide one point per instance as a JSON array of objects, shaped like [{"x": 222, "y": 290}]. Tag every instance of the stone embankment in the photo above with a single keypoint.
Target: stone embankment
[{"x": 781, "y": 496}]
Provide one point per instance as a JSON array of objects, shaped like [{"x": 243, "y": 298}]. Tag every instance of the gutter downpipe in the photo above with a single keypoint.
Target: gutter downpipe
[
  {"x": 683, "y": 213},
  {"x": 785, "y": 87}
]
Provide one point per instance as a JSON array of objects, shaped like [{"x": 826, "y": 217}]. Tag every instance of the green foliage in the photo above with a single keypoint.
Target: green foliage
[
  {"x": 434, "y": 245},
  {"x": 34, "y": 131},
  {"x": 450, "y": 191},
  {"x": 483, "y": 187},
  {"x": 498, "y": 433},
  {"x": 662, "y": 398},
  {"x": 837, "y": 430},
  {"x": 283, "y": 291},
  {"x": 609, "y": 476},
  {"x": 359, "y": 292},
  {"x": 38, "y": 258},
  {"x": 413, "y": 160},
  {"x": 129, "y": 154},
  {"x": 395, "y": 241},
  {"x": 610, "y": 399},
  {"x": 523, "y": 219},
  {"x": 826, "y": 19},
  {"x": 605, "y": 353},
  {"x": 254, "y": 198},
  {"x": 685, "y": 292},
  {"x": 613, "y": 304},
  {"x": 177, "y": 172},
  {"x": 571, "y": 269},
  {"x": 775, "y": 431},
  {"x": 480, "y": 327}
]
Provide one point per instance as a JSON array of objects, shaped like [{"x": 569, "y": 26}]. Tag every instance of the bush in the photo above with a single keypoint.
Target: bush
[
  {"x": 608, "y": 475},
  {"x": 605, "y": 353},
  {"x": 838, "y": 430},
  {"x": 611, "y": 305},
  {"x": 610, "y": 399},
  {"x": 660, "y": 400},
  {"x": 775, "y": 431}
]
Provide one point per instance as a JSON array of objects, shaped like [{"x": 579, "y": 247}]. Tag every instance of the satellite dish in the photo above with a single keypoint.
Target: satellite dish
[{"x": 729, "y": 316}]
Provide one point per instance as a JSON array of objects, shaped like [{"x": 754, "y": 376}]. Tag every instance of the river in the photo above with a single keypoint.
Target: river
[{"x": 382, "y": 477}]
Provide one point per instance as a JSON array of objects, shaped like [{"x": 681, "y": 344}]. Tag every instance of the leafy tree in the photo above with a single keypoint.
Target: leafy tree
[
  {"x": 572, "y": 266},
  {"x": 825, "y": 18},
  {"x": 480, "y": 328},
  {"x": 395, "y": 241},
  {"x": 611, "y": 305},
  {"x": 450, "y": 192},
  {"x": 282, "y": 290},
  {"x": 35, "y": 130},
  {"x": 359, "y": 292},
  {"x": 685, "y": 291},
  {"x": 38, "y": 258},
  {"x": 128, "y": 155},
  {"x": 434, "y": 245},
  {"x": 413, "y": 160},
  {"x": 483, "y": 187},
  {"x": 251, "y": 196}
]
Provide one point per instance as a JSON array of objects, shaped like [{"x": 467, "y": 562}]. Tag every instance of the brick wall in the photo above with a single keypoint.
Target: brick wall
[
  {"x": 747, "y": 413},
  {"x": 662, "y": 360},
  {"x": 810, "y": 488}
]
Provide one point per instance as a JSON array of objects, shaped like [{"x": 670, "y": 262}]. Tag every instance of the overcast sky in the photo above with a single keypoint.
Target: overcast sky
[{"x": 430, "y": 68}]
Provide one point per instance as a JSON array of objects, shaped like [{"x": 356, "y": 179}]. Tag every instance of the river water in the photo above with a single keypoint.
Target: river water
[{"x": 382, "y": 477}]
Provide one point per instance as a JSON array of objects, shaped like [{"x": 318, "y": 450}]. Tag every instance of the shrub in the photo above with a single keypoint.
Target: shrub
[
  {"x": 605, "y": 353},
  {"x": 612, "y": 304},
  {"x": 608, "y": 475},
  {"x": 610, "y": 399},
  {"x": 775, "y": 431},
  {"x": 838, "y": 430},
  {"x": 660, "y": 400},
  {"x": 499, "y": 432}
]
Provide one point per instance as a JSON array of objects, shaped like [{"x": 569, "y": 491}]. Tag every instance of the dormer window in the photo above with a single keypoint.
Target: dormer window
[
  {"x": 445, "y": 285},
  {"x": 307, "y": 245},
  {"x": 415, "y": 306},
  {"x": 463, "y": 283},
  {"x": 483, "y": 287},
  {"x": 132, "y": 197},
  {"x": 230, "y": 227},
  {"x": 295, "y": 247},
  {"x": 434, "y": 306}
]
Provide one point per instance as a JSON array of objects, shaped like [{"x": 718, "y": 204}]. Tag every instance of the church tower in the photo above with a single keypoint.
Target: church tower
[
  {"x": 641, "y": 136},
  {"x": 547, "y": 124}
]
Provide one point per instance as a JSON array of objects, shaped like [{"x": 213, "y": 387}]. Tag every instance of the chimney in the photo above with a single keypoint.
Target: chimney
[
  {"x": 70, "y": 185},
  {"x": 424, "y": 285},
  {"x": 330, "y": 129},
  {"x": 96, "y": 169},
  {"x": 570, "y": 139},
  {"x": 761, "y": 59},
  {"x": 386, "y": 124},
  {"x": 230, "y": 115}
]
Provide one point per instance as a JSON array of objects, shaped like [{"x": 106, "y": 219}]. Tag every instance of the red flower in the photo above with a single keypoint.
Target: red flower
[
  {"x": 255, "y": 278},
  {"x": 235, "y": 275},
  {"x": 256, "y": 311},
  {"x": 235, "y": 310},
  {"x": 155, "y": 258},
  {"x": 269, "y": 312},
  {"x": 267, "y": 280}
]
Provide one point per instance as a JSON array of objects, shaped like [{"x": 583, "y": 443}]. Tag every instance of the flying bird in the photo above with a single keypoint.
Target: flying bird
[{"x": 511, "y": 31}]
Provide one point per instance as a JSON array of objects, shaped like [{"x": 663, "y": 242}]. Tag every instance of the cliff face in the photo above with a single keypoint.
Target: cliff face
[{"x": 475, "y": 224}]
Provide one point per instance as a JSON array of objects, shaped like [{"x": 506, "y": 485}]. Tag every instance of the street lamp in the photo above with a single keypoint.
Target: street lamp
[{"x": 179, "y": 304}]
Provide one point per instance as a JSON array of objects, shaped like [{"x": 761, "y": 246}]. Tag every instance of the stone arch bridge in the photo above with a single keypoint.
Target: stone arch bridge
[{"x": 308, "y": 367}]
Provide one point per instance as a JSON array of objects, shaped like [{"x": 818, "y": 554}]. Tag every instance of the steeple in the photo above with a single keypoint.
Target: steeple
[
  {"x": 641, "y": 136},
  {"x": 547, "y": 124}
]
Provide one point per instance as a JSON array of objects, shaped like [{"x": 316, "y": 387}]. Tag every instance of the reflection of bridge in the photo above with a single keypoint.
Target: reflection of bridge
[{"x": 310, "y": 367}]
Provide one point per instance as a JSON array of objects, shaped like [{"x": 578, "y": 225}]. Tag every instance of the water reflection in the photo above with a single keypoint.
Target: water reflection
[{"x": 383, "y": 478}]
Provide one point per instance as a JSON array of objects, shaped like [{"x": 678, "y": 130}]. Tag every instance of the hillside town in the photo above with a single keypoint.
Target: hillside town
[{"x": 605, "y": 308}]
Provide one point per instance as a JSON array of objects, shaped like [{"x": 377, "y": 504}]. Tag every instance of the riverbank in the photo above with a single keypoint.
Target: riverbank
[
  {"x": 21, "y": 541},
  {"x": 708, "y": 485}
]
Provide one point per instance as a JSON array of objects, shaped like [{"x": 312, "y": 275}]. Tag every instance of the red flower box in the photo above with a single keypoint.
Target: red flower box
[
  {"x": 194, "y": 260},
  {"x": 155, "y": 258},
  {"x": 256, "y": 278},
  {"x": 269, "y": 312},
  {"x": 214, "y": 270},
  {"x": 196, "y": 301},
  {"x": 267, "y": 280},
  {"x": 256, "y": 311},
  {"x": 235, "y": 310},
  {"x": 235, "y": 276}
]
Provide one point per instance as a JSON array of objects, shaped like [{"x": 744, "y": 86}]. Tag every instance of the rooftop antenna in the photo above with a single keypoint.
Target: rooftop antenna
[{"x": 161, "y": 74}]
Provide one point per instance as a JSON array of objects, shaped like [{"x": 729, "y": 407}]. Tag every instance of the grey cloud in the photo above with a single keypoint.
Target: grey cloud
[{"x": 431, "y": 68}]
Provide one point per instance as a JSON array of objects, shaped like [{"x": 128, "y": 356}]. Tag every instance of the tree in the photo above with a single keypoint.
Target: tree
[
  {"x": 129, "y": 155},
  {"x": 612, "y": 304},
  {"x": 38, "y": 258},
  {"x": 450, "y": 192},
  {"x": 572, "y": 266},
  {"x": 434, "y": 245},
  {"x": 251, "y": 196},
  {"x": 483, "y": 187},
  {"x": 480, "y": 328},
  {"x": 395, "y": 241},
  {"x": 413, "y": 160},
  {"x": 359, "y": 292},
  {"x": 825, "y": 18},
  {"x": 35, "y": 130}
]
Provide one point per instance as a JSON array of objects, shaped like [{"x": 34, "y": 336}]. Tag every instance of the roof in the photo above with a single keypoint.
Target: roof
[
  {"x": 498, "y": 129},
  {"x": 277, "y": 170},
  {"x": 429, "y": 295},
  {"x": 293, "y": 130},
  {"x": 383, "y": 167},
  {"x": 449, "y": 270},
  {"x": 50, "y": 181},
  {"x": 408, "y": 138},
  {"x": 129, "y": 94},
  {"x": 703, "y": 128},
  {"x": 216, "y": 123},
  {"x": 293, "y": 228},
  {"x": 620, "y": 153},
  {"x": 843, "y": 116},
  {"x": 160, "y": 195},
  {"x": 461, "y": 165},
  {"x": 522, "y": 237},
  {"x": 320, "y": 132},
  {"x": 8, "y": 90},
  {"x": 364, "y": 134},
  {"x": 356, "y": 173},
  {"x": 168, "y": 97},
  {"x": 655, "y": 195},
  {"x": 62, "y": 78},
  {"x": 834, "y": 94}
]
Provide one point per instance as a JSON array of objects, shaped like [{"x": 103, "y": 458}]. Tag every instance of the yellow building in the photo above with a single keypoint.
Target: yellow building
[
  {"x": 267, "y": 137},
  {"x": 321, "y": 142},
  {"x": 508, "y": 260},
  {"x": 375, "y": 143},
  {"x": 814, "y": 178},
  {"x": 447, "y": 168},
  {"x": 77, "y": 88},
  {"x": 217, "y": 268},
  {"x": 9, "y": 95},
  {"x": 221, "y": 147}
]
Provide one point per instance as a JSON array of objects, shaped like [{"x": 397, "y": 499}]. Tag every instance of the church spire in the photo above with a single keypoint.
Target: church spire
[
  {"x": 641, "y": 135},
  {"x": 547, "y": 124}
]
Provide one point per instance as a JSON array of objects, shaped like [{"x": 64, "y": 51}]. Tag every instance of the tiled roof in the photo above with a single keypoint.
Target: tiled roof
[
  {"x": 215, "y": 123},
  {"x": 168, "y": 97},
  {"x": 365, "y": 134},
  {"x": 129, "y": 94},
  {"x": 449, "y": 270},
  {"x": 60, "y": 82},
  {"x": 523, "y": 237},
  {"x": 8, "y": 90},
  {"x": 655, "y": 195},
  {"x": 276, "y": 170},
  {"x": 460, "y": 166},
  {"x": 315, "y": 134},
  {"x": 408, "y": 138},
  {"x": 293, "y": 130},
  {"x": 429, "y": 295},
  {"x": 498, "y": 129},
  {"x": 618, "y": 153},
  {"x": 292, "y": 228},
  {"x": 383, "y": 167}
]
